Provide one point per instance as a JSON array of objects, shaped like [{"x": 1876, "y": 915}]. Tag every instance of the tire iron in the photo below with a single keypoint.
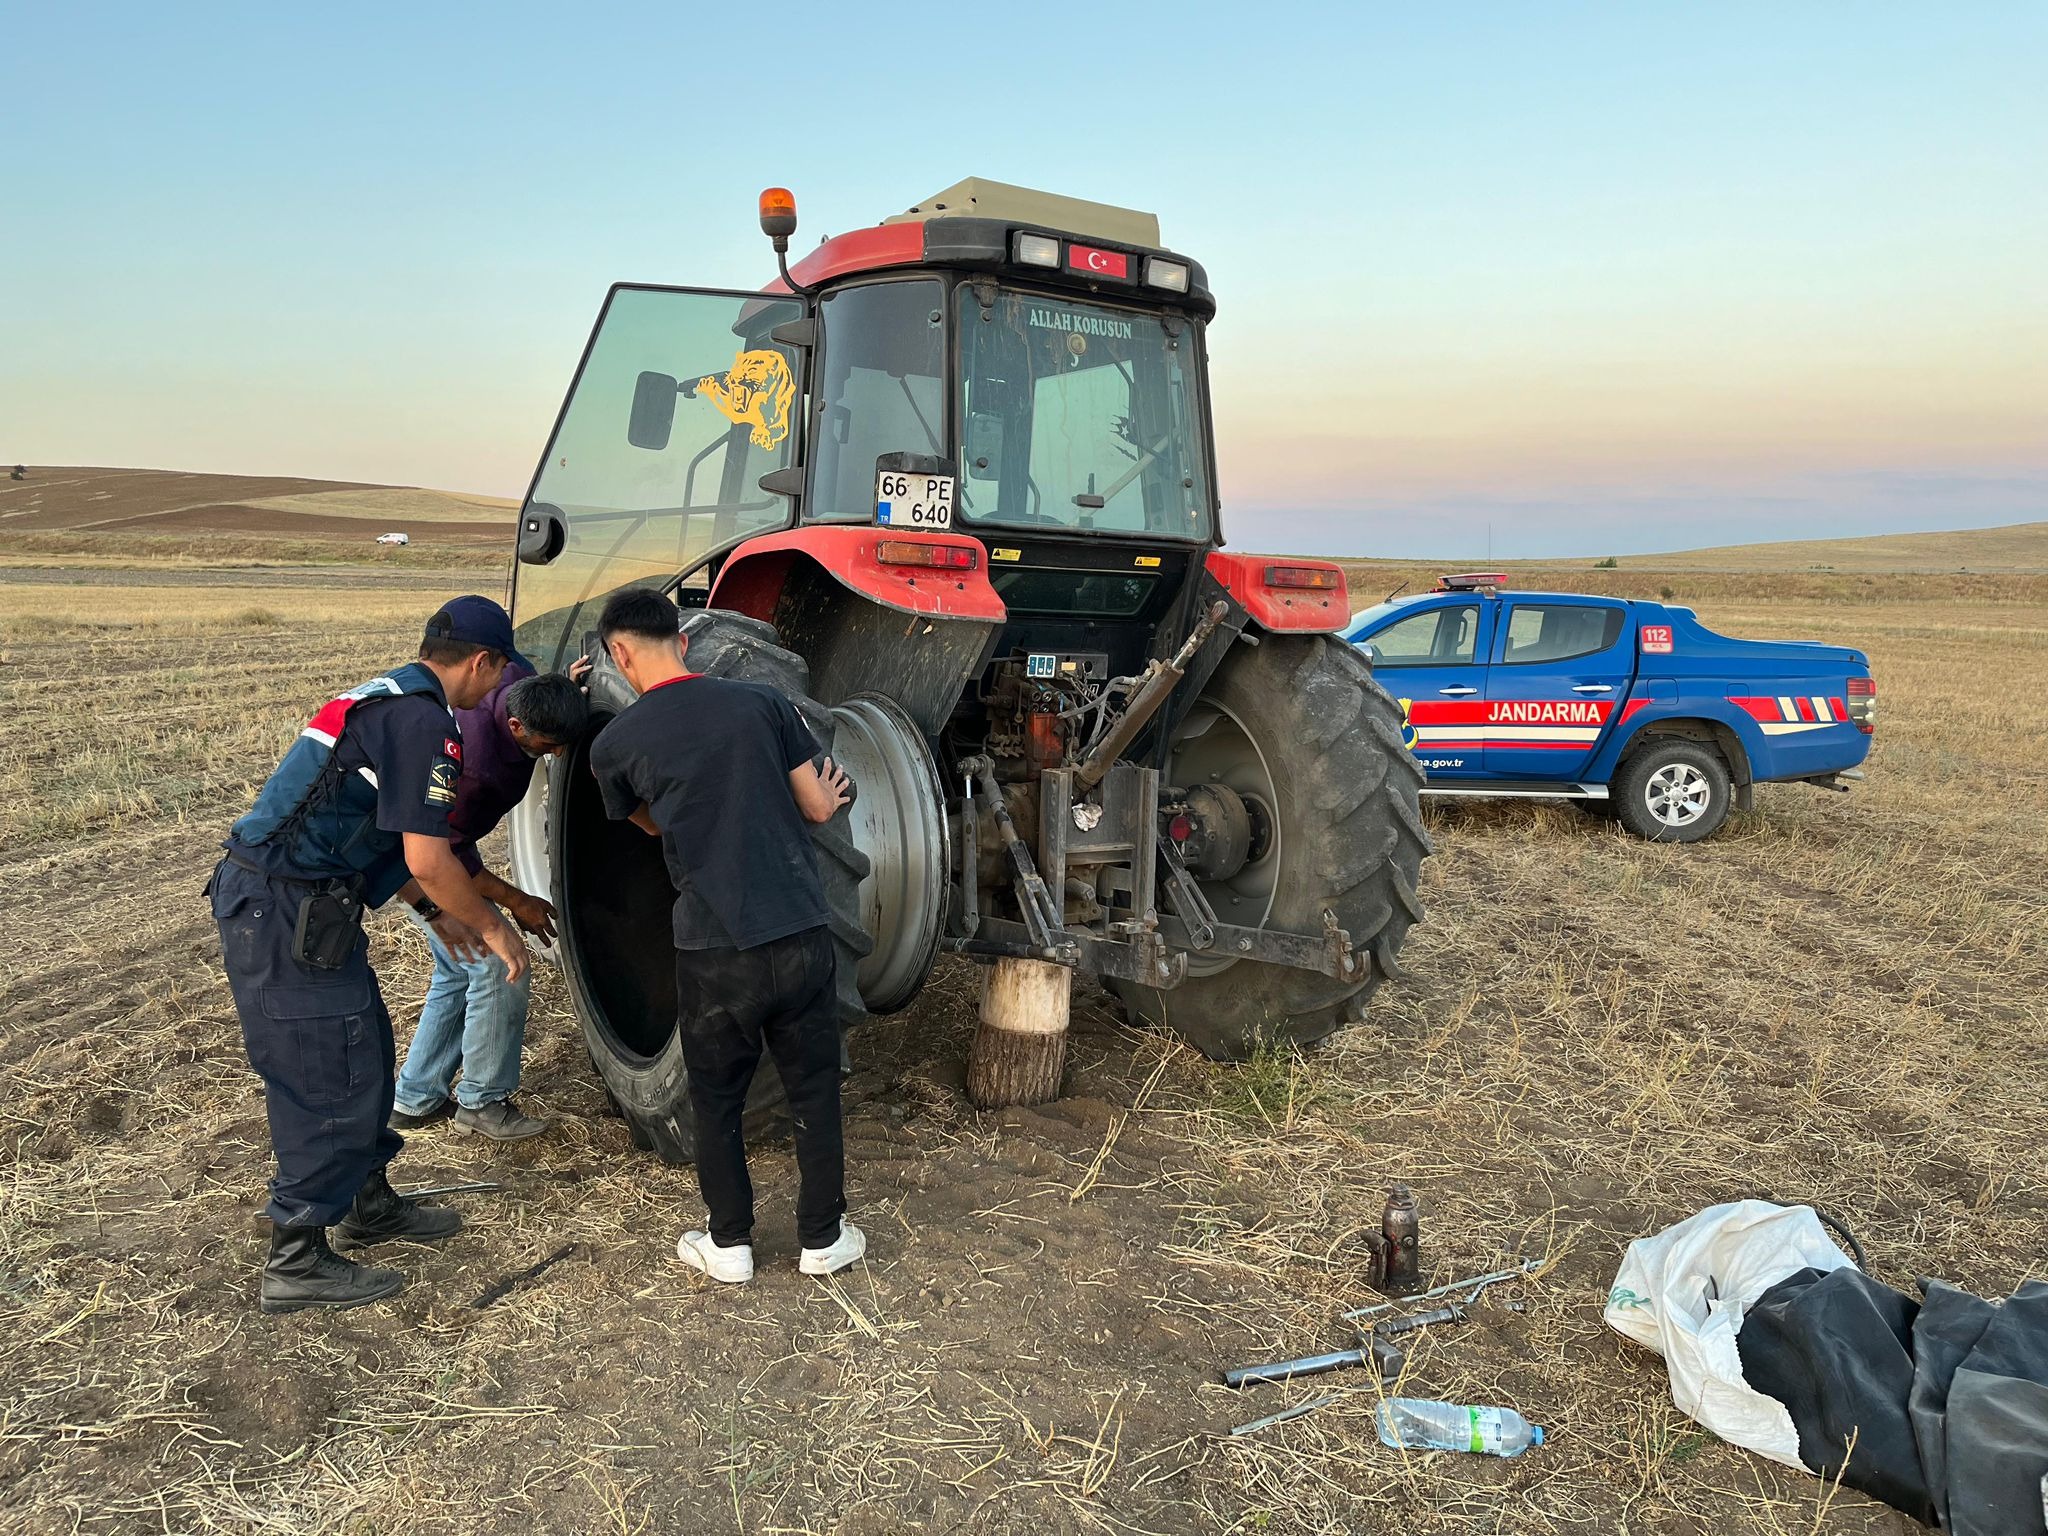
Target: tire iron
[
  {"x": 1472, "y": 1285},
  {"x": 1386, "y": 1359}
]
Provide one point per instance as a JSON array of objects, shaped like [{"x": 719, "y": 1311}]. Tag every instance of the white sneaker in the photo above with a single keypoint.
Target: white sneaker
[
  {"x": 732, "y": 1266},
  {"x": 852, "y": 1244}
]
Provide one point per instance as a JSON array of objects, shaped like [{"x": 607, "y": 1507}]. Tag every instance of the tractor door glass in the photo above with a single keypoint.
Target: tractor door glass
[
  {"x": 882, "y": 391},
  {"x": 1078, "y": 415},
  {"x": 682, "y": 405}
]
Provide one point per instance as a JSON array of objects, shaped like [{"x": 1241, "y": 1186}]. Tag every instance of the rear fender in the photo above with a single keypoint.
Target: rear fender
[
  {"x": 855, "y": 643},
  {"x": 753, "y": 579},
  {"x": 1284, "y": 610},
  {"x": 1727, "y": 735}
]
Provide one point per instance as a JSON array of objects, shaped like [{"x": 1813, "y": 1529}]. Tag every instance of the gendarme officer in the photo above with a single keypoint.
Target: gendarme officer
[{"x": 359, "y": 804}]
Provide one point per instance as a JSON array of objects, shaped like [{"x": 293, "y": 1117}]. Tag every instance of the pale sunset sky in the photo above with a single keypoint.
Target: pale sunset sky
[{"x": 1553, "y": 279}]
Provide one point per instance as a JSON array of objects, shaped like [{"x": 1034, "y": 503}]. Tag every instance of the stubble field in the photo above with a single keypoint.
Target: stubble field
[{"x": 1839, "y": 999}]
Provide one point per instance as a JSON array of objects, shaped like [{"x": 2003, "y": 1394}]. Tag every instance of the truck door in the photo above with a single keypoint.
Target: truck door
[
  {"x": 1433, "y": 659},
  {"x": 1561, "y": 670}
]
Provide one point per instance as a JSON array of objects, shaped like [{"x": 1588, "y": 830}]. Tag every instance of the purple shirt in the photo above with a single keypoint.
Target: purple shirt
[{"x": 495, "y": 773}]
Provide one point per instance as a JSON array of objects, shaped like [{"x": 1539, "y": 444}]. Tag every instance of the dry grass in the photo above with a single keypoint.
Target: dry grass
[
  {"x": 1728, "y": 593},
  {"x": 2017, "y": 547},
  {"x": 203, "y": 552},
  {"x": 1838, "y": 999}
]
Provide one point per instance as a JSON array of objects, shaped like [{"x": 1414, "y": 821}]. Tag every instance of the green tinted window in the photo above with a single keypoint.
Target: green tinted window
[
  {"x": 1079, "y": 415},
  {"x": 681, "y": 406},
  {"x": 882, "y": 391}
]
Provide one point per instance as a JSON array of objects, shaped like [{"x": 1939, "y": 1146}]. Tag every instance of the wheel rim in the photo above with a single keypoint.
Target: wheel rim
[
  {"x": 1677, "y": 795},
  {"x": 898, "y": 821},
  {"x": 1212, "y": 745}
]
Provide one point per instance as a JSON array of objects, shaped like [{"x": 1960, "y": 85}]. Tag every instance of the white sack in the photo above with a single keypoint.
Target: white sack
[{"x": 1683, "y": 1293}]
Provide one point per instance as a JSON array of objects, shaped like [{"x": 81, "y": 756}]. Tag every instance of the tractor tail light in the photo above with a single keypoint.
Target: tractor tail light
[
  {"x": 940, "y": 557},
  {"x": 1862, "y": 695},
  {"x": 1305, "y": 578}
]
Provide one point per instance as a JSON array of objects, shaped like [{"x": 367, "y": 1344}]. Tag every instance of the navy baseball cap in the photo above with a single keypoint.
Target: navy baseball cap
[{"x": 476, "y": 621}]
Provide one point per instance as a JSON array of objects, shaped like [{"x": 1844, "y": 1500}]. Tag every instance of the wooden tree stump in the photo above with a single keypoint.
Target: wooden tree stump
[{"x": 1020, "y": 1050}]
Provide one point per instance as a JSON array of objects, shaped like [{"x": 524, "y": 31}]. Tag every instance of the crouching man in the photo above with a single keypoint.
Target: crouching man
[
  {"x": 721, "y": 772},
  {"x": 358, "y": 804},
  {"x": 474, "y": 1017}
]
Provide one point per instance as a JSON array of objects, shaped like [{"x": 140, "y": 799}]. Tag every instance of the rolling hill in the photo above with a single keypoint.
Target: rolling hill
[{"x": 165, "y": 502}]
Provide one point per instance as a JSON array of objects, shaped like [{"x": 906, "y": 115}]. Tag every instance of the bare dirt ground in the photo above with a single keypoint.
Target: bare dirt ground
[{"x": 1841, "y": 999}]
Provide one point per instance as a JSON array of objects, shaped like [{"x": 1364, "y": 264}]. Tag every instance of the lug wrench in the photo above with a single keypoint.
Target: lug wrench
[{"x": 1473, "y": 1284}]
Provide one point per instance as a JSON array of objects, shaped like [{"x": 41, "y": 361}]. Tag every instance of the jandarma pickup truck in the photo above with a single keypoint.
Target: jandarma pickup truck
[{"x": 1632, "y": 708}]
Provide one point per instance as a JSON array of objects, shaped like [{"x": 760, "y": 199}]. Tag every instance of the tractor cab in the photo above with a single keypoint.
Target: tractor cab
[{"x": 1048, "y": 385}]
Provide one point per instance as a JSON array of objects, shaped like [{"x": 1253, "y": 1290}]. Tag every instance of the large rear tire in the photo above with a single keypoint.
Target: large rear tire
[{"x": 1299, "y": 728}]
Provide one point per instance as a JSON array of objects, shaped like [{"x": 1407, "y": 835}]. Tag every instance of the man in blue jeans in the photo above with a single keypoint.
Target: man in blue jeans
[{"x": 474, "y": 1017}]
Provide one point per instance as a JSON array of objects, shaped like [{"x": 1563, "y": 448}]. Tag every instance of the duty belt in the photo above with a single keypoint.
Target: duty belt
[{"x": 353, "y": 884}]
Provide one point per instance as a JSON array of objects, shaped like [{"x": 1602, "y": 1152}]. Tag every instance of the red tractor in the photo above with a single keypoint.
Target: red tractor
[{"x": 950, "y": 486}]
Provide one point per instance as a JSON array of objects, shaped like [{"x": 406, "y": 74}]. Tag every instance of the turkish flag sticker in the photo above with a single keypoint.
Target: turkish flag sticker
[{"x": 1087, "y": 259}]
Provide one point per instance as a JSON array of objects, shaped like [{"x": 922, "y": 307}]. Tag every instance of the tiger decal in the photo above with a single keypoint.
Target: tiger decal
[{"x": 756, "y": 391}]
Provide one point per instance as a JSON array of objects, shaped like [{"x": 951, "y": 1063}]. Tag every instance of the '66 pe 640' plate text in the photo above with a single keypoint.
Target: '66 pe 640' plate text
[{"x": 913, "y": 501}]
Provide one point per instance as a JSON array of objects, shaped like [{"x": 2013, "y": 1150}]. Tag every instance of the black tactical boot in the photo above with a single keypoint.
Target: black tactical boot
[
  {"x": 382, "y": 1215},
  {"x": 303, "y": 1271}
]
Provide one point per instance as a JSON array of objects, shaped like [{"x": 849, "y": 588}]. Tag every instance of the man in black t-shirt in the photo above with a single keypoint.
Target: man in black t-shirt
[{"x": 722, "y": 773}]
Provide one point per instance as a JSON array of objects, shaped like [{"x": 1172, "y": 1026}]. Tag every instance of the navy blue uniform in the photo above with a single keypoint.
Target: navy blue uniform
[{"x": 371, "y": 766}]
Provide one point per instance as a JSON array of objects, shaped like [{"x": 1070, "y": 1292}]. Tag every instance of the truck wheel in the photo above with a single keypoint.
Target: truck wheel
[
  {"x": 1297, "y": 726},
  {"x": 1671, "y": 790},
  {"x": 613, "y": 896}
]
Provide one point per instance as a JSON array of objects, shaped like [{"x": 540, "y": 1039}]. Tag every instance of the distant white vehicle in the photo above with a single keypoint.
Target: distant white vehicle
[{"x": 394, "y": 538}]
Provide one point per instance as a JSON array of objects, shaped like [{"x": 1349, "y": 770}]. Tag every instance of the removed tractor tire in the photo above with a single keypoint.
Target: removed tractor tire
[{"x": 613, "y": 893}]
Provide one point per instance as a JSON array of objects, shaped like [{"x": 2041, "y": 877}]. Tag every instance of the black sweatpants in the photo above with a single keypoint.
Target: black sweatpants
[
  {"x": 730, "y": 1004},
  {"x": 321, "y": 1042}
]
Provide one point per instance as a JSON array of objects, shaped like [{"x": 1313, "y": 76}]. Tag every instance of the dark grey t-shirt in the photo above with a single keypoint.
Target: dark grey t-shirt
[{"x": 712, "y": 758}]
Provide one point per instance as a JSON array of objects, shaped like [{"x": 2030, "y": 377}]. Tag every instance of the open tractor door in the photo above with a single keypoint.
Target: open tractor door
[{"x": 950, "y": 486}]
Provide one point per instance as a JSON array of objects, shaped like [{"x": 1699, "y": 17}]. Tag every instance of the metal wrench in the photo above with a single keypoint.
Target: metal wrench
[{"x": 1472, "y": 1283}]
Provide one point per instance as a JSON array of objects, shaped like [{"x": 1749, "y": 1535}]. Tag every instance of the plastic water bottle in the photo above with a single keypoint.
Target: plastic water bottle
[{"x": 1420, "y": 1424}]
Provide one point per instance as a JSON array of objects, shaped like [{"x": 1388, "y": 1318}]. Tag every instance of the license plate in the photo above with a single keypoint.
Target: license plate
[{"x": 913, "y": 501}]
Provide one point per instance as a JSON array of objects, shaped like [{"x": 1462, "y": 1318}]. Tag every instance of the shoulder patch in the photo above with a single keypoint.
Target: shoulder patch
[{"x": 441, "y": 782}]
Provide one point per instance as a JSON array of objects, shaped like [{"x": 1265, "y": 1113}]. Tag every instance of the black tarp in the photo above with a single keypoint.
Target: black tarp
[{"x": 1939, "y": 1407}]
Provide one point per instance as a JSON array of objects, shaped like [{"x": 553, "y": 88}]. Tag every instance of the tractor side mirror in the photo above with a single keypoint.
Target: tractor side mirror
[
  {"x": 542, "y": 534},
  {"x": 984, "y": 446},
  {"x": 654, "y": 411}
]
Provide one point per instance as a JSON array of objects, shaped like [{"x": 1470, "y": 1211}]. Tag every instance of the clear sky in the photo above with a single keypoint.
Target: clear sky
[{"x": 1568, "y": 278}]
